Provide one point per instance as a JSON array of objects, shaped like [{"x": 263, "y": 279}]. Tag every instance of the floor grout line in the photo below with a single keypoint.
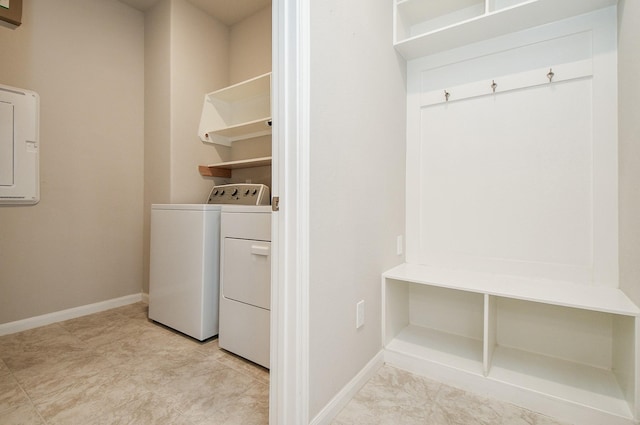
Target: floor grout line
[{"x": 26, "y": 394}]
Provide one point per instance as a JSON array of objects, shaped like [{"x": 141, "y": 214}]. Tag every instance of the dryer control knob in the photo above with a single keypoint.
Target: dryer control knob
[{"x": 234, "y": 192}]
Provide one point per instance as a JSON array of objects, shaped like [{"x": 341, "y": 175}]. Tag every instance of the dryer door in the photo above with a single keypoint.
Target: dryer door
[{"x": 247, "y": 272}]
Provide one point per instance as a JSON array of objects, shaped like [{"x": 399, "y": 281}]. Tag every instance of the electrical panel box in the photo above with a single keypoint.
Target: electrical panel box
[
  {"x": 10, "y": 13},
  {"x": 19, "y": 146}
]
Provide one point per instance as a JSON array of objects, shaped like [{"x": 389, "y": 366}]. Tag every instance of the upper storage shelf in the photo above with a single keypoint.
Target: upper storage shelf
[
  {"x": 425, "y": 27},
  {"x": 237, "y": 112}
]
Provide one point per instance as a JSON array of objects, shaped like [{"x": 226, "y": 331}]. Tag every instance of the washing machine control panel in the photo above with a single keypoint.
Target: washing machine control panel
[{"x": 240, "y": 194}]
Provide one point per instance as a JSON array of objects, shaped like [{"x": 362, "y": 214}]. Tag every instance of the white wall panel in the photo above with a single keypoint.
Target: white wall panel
[
  {"x": 581, "y": 336},
  {"x": 521, "y": 181},
  {"x": 455, "y": 312},
  {"x": 507, "y": 178}
]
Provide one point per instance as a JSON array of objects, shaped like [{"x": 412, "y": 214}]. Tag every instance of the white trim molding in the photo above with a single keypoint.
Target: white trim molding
[
  {"x": 289, "y": 387},
  {"x": 71, "y": 313}
]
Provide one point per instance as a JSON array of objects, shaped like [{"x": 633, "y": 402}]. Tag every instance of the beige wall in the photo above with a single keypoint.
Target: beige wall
[
  {"x": 199, "y": 64},
  {"x": 181, "y": 65},
  {"x": 157, "y": 112},
  {"x": 629, "y": 146},
  {"x": 110, "y": 146},
  {"x": 357, "y": 180},
  {"x": 83, "y": 242},
  {"x": 157, "y": 117},
  {"x": 250, "y": 47},
  {"x": 186, "y": 56}
]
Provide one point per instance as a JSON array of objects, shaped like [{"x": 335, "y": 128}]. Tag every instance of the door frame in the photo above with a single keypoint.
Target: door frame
[{"x": 289, "y": 383}]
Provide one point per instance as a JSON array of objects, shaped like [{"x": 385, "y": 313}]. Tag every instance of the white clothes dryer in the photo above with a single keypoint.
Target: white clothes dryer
[{"x": 245, "y": 282}]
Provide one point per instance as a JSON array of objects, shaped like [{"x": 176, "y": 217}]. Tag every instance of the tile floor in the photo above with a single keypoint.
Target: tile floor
[
  {"x": 117, "y": 367},
  {"x": 394, "y": 397}
]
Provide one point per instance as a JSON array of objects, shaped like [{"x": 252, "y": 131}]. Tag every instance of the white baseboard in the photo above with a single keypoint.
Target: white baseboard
[
  {"x": 337, "y": 403},
  {"x": 145, "y": 298},
  {"x": 72, "y": 313}
]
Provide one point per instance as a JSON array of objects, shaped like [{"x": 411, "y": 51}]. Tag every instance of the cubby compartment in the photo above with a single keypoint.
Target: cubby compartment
[
  {"x": 415, "y": 17},
  {"x": 567, "y": 353},
  {"x": 439, "y": 325}
]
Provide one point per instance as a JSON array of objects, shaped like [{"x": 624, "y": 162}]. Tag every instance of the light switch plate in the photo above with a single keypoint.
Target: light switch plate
[{"x": 4, "y": 3}]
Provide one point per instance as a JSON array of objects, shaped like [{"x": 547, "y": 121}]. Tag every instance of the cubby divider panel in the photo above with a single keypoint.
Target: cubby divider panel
[{"x": 490, "y": 330}]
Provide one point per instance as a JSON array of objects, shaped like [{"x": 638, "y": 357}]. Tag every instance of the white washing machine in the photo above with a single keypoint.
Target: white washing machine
[
  {"x": 245, "y": 282},
  {"x": 184, "y": 270}
]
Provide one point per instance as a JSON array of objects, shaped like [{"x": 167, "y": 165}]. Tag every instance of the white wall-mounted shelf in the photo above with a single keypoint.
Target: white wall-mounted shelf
[
  {"x": 224, "y": 169},
  {"x": 238, "y": 112},
  {"x": 425, "y": 27},
  {"x": 570, "y": 343}
]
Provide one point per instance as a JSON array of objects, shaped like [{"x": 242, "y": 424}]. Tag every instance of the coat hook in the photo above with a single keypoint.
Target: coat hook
[
  {"x": 446, "y": 95},
  {"x": 550, "y": 75},
  {"x": 494, "y": 85}
]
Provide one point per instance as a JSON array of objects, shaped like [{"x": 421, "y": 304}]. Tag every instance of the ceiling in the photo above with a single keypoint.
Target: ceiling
[{"x": 228, "y": 12}]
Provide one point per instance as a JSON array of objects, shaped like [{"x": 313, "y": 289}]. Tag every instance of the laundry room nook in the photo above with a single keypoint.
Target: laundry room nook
[
  {"x": 205, "y": 278},
  {"x": 226, "y": 57},
  {"x": 119, "y": 220}
]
